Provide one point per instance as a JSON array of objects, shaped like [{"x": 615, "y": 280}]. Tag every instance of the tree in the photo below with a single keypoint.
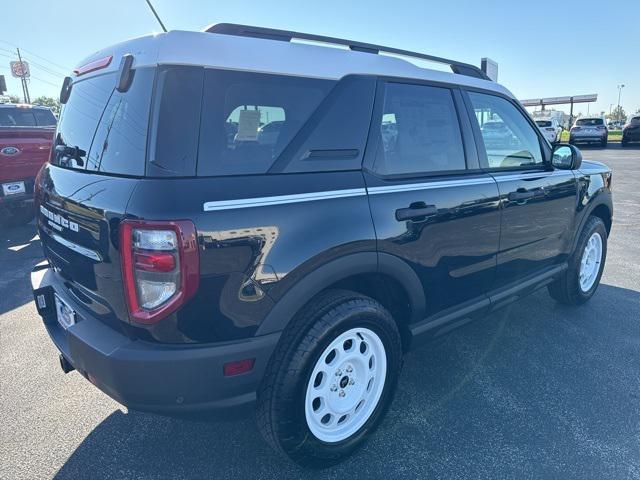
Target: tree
[
  {"x": 52, "y": 103},
  {"x": 14, "y": 98},
  {"x": 618, "y": 114}
]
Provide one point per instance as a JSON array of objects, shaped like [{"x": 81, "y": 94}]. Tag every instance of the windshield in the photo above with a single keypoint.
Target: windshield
[
  {"x": 543, "y": 123},
  {"x": 26, "y": 117},
  {"x": 589, "y": 122}
]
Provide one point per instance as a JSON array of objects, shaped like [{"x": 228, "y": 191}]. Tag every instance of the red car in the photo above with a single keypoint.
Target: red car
[{"x": 26, "y": 134}]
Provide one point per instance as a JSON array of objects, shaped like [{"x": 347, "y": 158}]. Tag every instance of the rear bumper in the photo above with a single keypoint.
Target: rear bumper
[
  {"x": 588, "y": 137},
  {"x": 152, "y": 377}
]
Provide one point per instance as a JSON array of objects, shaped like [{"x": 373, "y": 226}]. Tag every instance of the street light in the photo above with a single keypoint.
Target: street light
[{"x": 620, "y": 87}]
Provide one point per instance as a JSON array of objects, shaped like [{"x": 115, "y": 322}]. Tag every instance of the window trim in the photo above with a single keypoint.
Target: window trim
[
  {"x": 374, "y": 140},
  {"x": 480, "y": 146}
]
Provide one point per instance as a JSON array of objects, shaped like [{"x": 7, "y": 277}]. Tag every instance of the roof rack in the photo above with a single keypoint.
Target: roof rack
[{"x": 288, "y": 35}]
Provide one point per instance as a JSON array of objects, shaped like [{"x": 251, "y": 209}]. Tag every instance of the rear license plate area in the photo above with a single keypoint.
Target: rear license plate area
[{"x": 65, "y": 314}]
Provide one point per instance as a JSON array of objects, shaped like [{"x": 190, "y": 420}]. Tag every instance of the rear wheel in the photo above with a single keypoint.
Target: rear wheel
[
  {"x": 582, "y": 277},
  {"x": 331, "y": 379},
  {"x": 603, "y": 143},
  {"x": 624, "y": 142}
]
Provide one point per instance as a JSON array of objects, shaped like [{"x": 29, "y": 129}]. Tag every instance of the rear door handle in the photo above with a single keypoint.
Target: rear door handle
[
  {"x": 416, "y": 211},
  {"x": 521, "y": 194}
]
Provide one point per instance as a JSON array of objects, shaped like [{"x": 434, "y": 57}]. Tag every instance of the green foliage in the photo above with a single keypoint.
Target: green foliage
[
  {"x": 52, "y": 103},
  {"x": 618, "y": 114}
]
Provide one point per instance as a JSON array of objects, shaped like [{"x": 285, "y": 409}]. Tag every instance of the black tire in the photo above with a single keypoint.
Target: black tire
[
  {"x": 280, "y": 410},
  {"x": 603, "y": 143},
  {"x": 19, "y": 215},
  {"x": 624, "y": 142},
  {"x": 566, "y": 289}
]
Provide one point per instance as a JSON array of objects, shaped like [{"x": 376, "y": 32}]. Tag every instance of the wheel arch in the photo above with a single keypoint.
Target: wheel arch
[{"x": 384, "y": 277}]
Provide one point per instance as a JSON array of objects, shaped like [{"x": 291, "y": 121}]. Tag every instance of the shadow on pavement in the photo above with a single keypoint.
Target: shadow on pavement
[
  {"x": 536, "y": 390},
  {"x": 20, "y": 250}
]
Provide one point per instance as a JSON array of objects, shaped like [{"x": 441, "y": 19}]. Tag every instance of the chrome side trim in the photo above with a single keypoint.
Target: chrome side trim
[
  {"x": 409, "y": 187},
  {"x": 282, "y": 199},
  {"x": 524, "y": 176},
  {"x": 93, "y": 255}
]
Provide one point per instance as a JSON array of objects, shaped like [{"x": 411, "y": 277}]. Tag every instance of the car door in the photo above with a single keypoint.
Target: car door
[
  {"x": 431, "y": 204},
  {"x": 537, "y": 202}
]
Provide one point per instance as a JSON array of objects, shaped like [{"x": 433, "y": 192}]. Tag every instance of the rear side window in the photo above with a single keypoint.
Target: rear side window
[
  {"x": 543, "y": 123},
  {"x": 419, "y": 130},
  {"x": 249, "y": 118},
  {"x": 120, "y": 140}
]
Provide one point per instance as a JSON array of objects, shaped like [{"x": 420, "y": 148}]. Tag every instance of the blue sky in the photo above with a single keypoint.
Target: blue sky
[{"x": 544, "y": 48}]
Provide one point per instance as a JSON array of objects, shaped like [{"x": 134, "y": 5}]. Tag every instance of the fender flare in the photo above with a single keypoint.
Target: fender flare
[
  {"x": 595, "y": 202},
  {"x": 354, "y": 264}
]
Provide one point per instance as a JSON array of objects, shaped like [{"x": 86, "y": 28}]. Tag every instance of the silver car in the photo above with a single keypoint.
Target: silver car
[{"x": 589, "y": 130}]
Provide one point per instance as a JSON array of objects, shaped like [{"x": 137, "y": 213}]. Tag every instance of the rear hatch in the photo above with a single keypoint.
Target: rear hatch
[{"x": 82, "y": 193}]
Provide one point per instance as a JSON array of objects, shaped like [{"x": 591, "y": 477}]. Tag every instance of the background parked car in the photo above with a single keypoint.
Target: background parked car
[
  {"x": 550, "y": 128},
  {"x": 631, "y": 131},
  {"x": 589, "y": 130},
  {"x": 26, "y": 133}
]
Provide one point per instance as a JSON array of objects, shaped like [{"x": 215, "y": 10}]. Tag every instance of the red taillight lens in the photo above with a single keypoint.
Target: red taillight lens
[
  {"x": 160, "y": 267},
  {"x": 238, "y": 367},
  {"x": 154, "y": 261}
]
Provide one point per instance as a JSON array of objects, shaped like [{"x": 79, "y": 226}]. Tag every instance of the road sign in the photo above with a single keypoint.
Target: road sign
[{"x": 20, "y": 69}]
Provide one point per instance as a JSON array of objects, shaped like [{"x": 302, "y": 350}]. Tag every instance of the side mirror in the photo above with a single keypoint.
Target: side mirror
[{"x": 566, "y": 157}]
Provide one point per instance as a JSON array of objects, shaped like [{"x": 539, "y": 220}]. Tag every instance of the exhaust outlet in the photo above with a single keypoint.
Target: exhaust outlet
[{"x": 65, "y": 365}]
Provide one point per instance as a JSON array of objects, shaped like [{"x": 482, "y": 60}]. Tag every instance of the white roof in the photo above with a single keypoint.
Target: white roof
[{"x": 272, "y": 56}]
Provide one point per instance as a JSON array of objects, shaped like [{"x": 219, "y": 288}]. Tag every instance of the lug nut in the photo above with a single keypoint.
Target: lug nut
[
  {"x": 342, "y": 394},
  {"x": 338, "y": 373},
  {"x": 352, "y": 382},
  {"x": 334, "y": 388},
  {"x": 349, "y": 369}
]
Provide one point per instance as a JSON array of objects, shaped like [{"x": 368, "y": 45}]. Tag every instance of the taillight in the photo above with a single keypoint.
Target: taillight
[
  {"x": 160, "y": 267},
  {"x": 601, "y": 127},
  {"x": 575, "y": 129}
]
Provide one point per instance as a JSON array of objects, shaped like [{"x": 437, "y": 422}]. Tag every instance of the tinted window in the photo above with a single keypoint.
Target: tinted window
[
  {"x": 420, "y": 131},
  {"x": 590, "y": 122},
  {"x": 635, "y": 120},
  {"x": 174, "y": 141},
  {"x": 248, "y": 119},
  {"x": 44, "y": 118},
  {"x": 119, "y": 144},
  {"x": 543, "y": 123},
  {"x": 80, "y": 116},
  {"x": 16, "y": 117},
  {"x": 509, "y": 139}
]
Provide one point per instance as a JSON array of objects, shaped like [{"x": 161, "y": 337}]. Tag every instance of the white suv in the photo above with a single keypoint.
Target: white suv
[{"x": 550, "y": 128}]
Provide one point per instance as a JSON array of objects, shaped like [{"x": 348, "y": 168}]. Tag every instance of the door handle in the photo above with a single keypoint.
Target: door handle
[
  {"x": 521, "y": 194},
  {"x": 415, "y": 211}
]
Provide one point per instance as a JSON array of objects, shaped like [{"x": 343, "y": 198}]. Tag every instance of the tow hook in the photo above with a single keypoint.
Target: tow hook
[{"x": 65, "y": 365}]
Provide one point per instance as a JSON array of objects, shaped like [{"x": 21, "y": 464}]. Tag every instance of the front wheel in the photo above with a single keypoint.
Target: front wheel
[
  {"x": 582, "y": 277},
  {"x": 331, "y": 379}
]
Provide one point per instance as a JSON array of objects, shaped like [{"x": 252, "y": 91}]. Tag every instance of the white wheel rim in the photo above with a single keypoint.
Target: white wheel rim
[
  {"x": 590, "y": 263},
  {"x": 345, "y": 385}
]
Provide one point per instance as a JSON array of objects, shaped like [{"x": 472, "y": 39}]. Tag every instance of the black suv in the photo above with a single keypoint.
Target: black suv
[{"x": 230, "y": 217}]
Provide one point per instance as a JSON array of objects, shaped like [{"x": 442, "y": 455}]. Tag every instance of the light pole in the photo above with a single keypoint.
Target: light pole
[{"x": 620, "y": 87}]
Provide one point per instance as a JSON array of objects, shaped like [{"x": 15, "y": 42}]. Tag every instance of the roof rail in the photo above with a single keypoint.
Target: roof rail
[{"x": 288, "y": 35}]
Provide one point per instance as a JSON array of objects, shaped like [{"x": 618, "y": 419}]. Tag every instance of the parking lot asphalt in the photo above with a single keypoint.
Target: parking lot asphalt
[{"x": 536, "y": 390}]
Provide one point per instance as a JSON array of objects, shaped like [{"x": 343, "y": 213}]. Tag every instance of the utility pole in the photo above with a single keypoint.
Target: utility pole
[
  {"x": 25, "y": 88},
  {"x": 620, "y": 87}
]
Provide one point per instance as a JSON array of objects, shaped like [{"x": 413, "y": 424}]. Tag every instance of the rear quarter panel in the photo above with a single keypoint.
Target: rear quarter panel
[{"x": 250, "y": 257}]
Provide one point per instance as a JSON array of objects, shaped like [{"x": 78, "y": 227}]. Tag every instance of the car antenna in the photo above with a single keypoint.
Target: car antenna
[{"x": 156, "y": 15}]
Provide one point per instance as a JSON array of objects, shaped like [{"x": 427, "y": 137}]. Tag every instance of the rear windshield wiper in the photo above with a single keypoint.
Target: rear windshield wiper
[{"x": 75, "y": 153}]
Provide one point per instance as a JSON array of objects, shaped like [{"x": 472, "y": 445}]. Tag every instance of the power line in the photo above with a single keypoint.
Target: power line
[{"x": 64, "y": 69}]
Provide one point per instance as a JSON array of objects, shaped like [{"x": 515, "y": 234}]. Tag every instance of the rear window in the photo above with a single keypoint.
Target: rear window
[
  {"x": 102, "y": 129},
  {"x": 543, "y": 123},
  {"x": 26, "y": 117},
  {"x": 589, "y": 122},
  {"x": 635, "y": 120}
]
